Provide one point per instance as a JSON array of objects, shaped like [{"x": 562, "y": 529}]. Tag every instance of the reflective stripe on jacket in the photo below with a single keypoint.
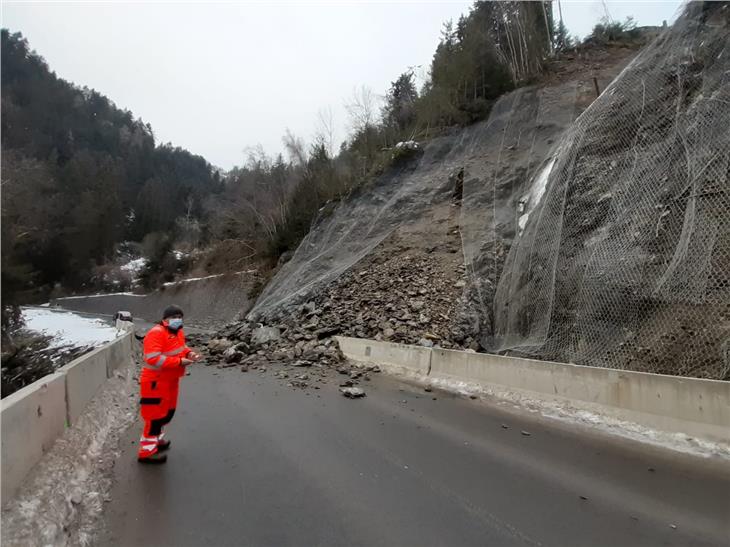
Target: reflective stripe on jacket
[{"x": 163, "y": 353}]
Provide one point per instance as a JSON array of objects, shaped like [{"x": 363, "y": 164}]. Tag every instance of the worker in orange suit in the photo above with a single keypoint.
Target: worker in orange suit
[{"x": 165, "y": 358}]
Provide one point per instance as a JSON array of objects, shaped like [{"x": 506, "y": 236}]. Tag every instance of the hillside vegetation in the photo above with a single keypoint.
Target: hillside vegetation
[{"x": 79, "y": 176}]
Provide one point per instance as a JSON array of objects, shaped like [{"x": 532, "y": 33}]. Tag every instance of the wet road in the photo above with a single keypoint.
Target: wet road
[{"x": 254, "y": 462}]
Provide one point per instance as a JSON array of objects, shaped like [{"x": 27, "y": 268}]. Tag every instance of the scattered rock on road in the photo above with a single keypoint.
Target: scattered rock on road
[
  {"x": 352, "y": 392},
  {"x": 232, "y": 356}
]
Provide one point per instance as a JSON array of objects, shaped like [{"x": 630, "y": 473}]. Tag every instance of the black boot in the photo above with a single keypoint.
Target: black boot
[
  {"x": 154, "y": 458},
  {"x": 163, "y": 445}
]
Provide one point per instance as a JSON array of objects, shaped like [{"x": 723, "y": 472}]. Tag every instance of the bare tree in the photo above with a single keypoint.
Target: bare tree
[
  {"x": 522, "y": 41},
  {"x": 362, "y": 108},
  {"x": 256, "y": 158},
  {"x": 325, "y": 130},
  {"x": 295, "y": 148}
]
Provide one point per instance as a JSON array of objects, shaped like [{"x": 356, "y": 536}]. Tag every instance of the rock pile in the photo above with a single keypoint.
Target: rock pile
[
  {"x": 303, "y": 360},
  {"x": 398, "y": 294}
]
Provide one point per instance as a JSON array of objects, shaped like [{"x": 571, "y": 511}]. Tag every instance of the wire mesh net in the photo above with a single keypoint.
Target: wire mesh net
[
  {"x": 625, "y": 262},
  {"x": 344, "y": 235},
  {"x": 602, "y": 240}
]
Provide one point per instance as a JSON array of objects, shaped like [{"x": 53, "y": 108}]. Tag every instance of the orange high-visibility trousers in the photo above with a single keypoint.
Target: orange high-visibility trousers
[
  {"x": 158, "y": 401},
  {"x": 164, "y": 351}
]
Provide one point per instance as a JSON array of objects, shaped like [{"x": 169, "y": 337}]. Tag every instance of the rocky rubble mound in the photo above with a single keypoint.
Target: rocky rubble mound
[
  {"x": 399, "y": 294},
  {"x": 300, "y": 360},
  {"x": 402, "y": 295}
]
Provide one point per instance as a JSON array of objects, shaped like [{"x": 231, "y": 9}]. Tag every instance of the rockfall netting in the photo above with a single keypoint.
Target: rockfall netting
[
  {"x": 352, "y": 229},
  {"x": 624, "y": 260},
  {"x": 358, "y": 224},
  {"x": 602, "y": 240}
]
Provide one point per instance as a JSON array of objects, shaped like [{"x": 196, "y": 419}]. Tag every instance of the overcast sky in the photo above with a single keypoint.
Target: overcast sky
[{"x": 216, "y": 78}]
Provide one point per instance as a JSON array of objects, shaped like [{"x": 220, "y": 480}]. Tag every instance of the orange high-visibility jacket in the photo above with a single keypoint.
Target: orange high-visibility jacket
[{"x": 164, "y": 351}]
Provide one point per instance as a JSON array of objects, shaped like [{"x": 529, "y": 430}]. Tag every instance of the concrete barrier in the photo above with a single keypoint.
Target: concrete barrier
[
  {"x": 32, "y": 419},
  {"x": 693, "y": 406},
  {"x": 85, "y": 375},
  {"x": 396, "y": 358},
  {"x": 35, "y": 416},
  {"x": 120, "y": 353}
]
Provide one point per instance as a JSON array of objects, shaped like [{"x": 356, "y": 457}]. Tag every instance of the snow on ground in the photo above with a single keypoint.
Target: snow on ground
[
  {"x": 190, "y": 279},
  {"x": 99, "y": 294},
  {"x": 68, "y": 329},
  {"x": 134, "y": 266},
  {"x": 170, "y": 283},
  {"x": 60, "y": 502}
]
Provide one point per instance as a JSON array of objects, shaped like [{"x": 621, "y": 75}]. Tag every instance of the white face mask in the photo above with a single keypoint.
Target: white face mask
[{"x": 175, "y": 324}]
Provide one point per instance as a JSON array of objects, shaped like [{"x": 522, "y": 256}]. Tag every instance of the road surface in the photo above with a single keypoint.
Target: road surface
[{"x": 254, "y": 462}]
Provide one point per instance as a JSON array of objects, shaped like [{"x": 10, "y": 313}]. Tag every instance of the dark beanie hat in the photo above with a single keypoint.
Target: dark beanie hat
[{"x": 172, "y": 310}]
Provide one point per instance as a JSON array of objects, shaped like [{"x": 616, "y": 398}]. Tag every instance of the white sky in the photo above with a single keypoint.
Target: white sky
[{"x": 216, "y": 78}]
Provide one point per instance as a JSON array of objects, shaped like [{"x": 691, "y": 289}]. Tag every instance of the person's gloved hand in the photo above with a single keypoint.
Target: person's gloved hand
[{"x": 194, "y": 356}]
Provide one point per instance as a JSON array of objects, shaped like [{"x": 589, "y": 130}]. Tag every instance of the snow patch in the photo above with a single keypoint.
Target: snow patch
[
  {"x": 134, "y": 266},
  {"x": 170, "y": 283},
  {"x": 407, "y": 145},
  {"x": 189, "y": 280},
  {"x": 537, "y": 190},
  {"x": 68, "y": 329},
  {"x": 100, "y": 294}
]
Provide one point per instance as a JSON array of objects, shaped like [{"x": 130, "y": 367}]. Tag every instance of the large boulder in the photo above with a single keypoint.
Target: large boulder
[
  {"x": 265, "y": 335},
  {"x": 219, "y": 345}
]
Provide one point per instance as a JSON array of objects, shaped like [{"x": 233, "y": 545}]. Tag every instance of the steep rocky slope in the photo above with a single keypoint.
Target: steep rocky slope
[
  {"x": 389, "y": 262},
  {"x": 625, "y": 261},
  {"x": 563, "y": 227}
]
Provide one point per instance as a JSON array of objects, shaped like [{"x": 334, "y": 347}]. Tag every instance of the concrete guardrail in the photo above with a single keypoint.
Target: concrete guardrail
[
  {"x": 36, "y": 415},
  {"x": 696, "y": 407}
]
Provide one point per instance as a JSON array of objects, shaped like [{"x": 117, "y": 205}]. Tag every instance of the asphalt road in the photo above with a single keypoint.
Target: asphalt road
[{"x": 254, "y": 462}]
